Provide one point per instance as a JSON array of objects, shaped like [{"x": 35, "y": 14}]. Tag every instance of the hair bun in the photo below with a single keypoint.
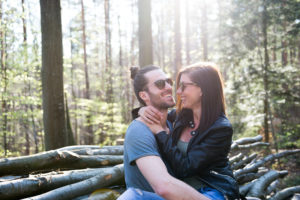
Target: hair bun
[{"x": 133, "y": 71}]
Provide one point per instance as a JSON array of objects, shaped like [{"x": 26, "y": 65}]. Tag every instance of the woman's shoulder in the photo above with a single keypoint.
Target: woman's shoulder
[{"x": 222, "y": 122}]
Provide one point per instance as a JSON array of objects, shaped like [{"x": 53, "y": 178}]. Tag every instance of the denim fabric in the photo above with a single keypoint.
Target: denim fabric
[
  {"x": 212, "y": 193},
  {"x": 137, "y": 194}
]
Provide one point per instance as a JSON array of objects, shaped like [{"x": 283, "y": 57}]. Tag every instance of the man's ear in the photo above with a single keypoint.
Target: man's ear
[{"x": 144, "y": 95}]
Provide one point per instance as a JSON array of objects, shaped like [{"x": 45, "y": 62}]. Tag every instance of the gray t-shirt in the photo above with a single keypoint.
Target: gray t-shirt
[{"x": 139, "y": 142}]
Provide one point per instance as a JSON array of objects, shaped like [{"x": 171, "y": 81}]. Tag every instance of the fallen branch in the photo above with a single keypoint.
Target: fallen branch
[
  {"x": 84, "y": 187},
  {"x": 53, "y": 160},
  {"x": 285, "y": 193},
  {"x": 260, "y": 185}
]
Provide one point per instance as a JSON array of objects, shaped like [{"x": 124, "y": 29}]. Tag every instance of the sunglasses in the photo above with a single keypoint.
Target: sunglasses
[
  {"x": 161, "y": 84},
  {"x": 183, "y": 85}
]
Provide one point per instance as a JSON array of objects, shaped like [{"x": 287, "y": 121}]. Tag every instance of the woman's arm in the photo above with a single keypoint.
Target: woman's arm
[{"x": 201, "y": 157}]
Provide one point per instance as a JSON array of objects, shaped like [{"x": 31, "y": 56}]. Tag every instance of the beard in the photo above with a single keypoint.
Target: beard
[{"x": 159, "y": 102}]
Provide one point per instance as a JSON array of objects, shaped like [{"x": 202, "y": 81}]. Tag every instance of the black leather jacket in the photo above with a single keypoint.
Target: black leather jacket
[{"x": 207, "y": 155}]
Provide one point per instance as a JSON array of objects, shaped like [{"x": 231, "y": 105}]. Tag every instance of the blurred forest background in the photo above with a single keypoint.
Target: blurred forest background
[{"x": 80, "y": 92}]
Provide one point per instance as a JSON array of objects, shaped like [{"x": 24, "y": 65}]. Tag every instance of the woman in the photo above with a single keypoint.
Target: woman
[{"x": 197, "y": 148}]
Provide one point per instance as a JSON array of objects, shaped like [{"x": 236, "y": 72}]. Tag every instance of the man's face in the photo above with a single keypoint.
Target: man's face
[{"x": 160, "y": 98}]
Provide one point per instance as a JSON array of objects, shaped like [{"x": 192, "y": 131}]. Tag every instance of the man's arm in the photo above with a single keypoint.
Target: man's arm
[{"x": 168, "y": 187}]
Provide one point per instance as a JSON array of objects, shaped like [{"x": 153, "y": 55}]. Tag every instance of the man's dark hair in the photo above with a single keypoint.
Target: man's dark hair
[{"x": 139, "y": 79}]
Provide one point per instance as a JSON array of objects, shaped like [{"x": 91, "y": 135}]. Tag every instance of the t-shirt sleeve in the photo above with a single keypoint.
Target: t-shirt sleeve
[{"x": 140, "y": 142}]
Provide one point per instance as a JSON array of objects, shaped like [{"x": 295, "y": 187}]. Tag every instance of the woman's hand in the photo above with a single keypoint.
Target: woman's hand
[
  {"x": 156, "y": 128},
  {"x": 150, "y": 115}
]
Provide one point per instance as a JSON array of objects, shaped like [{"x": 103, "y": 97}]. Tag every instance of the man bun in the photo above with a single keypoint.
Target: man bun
[{"x": 133, "y": 72}]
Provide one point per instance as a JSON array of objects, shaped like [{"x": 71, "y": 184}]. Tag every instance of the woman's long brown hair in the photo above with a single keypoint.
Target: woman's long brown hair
[{"x": 209, "y": 79}]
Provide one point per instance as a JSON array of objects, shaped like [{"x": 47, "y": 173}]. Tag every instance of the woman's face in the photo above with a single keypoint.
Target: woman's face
[{"x": 190, "y": 94}]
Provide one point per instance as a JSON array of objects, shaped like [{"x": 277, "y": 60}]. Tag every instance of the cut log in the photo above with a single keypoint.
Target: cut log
[
  {"x": 272, "y": 188},
  {"x": 285, "y": 193},
  {"x": 52, "y": 160},
  {"x": 245, "y": 188},
  {"x": 245, "y": 140},
  {"x": 114, "y": 175},
  {"x": 258, "y": 189},
  {"x": 253, "y": 167},
  {"x": 245, "y": 178},
  {"x": 249, "y": 146},
  {"x": 37, "y": 184},
  {"x": 244, "y": 161},
  {"x": 103, "y": 151},
  {"x": 236, "y": 158}
]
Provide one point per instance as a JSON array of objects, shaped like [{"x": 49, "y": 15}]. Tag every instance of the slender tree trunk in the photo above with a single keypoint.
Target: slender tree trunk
[
  {"x": 187, "y": 32},
  {"x": 108, "y": 63},
  {"x": 204, "y": 30},
  {"x": 26, "y": 91},
  {"x": 274, "y": 44},
  {"x": 265, "y": 75},
  {"x": 178, "y": 60},
  {"x": 77, "y": 140},
  {"x": 52, "y": 75},
  {"x": 145, "y": 33},
  {"x": 4, "y": 82},
  {"x": 89, "y": 138}
]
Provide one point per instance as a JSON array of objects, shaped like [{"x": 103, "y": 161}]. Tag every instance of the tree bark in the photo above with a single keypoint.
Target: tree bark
[
  {"x": 52, "y": 75},
  {"x": 145, "y": 33}
]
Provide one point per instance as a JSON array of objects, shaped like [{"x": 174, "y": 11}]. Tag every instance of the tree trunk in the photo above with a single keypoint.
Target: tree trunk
[
  {"x": 4, "y": 82},
  {"x": 145, "y": 33},
  {"x": 52, "y": 75},
  {"x": 265, "y": 73},
  {"x": 204, "y": 38},
  {"x": 108, "y": 64},
  {"x": 26, "y": 84},
  {"x": 89, "y": 137},
  {"x": 187, "y": 32},
  {"x": 178, "y": 60},
  {"x": 77, "y": 138}
]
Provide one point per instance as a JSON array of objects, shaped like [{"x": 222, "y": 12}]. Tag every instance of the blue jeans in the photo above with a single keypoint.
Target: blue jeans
[{"x": 137, "y": 194}]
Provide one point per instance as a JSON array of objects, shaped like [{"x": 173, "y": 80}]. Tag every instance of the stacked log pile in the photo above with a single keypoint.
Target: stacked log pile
[{"x": 93, "y": 172}]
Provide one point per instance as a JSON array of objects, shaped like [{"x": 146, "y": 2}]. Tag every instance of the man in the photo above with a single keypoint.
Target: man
[{"x": 144, "y": 168}]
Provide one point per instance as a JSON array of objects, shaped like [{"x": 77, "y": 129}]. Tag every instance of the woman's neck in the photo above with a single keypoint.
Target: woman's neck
[{"x": 197, "y": 116}]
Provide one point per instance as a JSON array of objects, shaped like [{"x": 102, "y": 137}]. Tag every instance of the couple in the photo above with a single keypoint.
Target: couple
[{"x": 190, "y": 143}]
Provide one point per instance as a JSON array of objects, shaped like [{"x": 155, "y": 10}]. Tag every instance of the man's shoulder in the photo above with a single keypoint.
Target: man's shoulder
[
  {"x": 137, "y": 126},
  {"x": 139, "y": 130}
]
